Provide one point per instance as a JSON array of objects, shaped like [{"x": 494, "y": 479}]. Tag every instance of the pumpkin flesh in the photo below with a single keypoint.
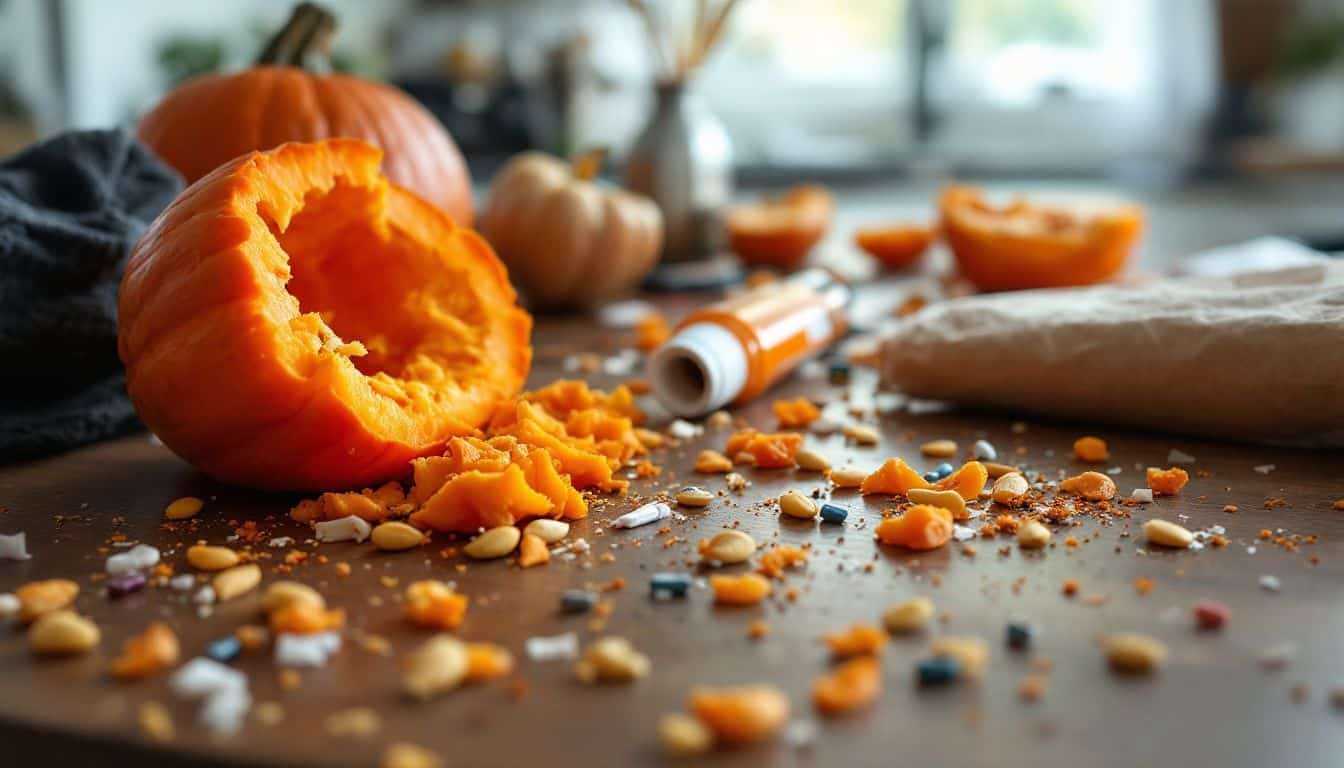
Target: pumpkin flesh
[{"x": 293, "y": 321}]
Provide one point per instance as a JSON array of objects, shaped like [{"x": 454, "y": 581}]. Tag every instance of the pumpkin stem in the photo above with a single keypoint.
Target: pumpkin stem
[
  {"x": 304, "y": 41},
  {"x": 586, "y": 164}
]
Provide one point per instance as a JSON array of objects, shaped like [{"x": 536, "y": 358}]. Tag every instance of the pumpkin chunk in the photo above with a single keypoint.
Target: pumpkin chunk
[
  {"x": 922, "y": 527},
  {"x": 894, "y": 478},
  {"x": 967, "y": 481},
  {"x": 476, "y": 499}
]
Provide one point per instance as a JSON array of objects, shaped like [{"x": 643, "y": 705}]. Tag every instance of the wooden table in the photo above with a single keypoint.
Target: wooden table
[{"x": 1214, "y": 703}]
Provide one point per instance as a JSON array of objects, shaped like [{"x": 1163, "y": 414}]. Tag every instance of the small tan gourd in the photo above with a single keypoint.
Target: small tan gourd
[{"x": 567, "y": 240}]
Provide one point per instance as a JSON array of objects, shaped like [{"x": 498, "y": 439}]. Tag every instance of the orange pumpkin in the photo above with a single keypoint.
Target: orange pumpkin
[
  {"x": 289, "y": 96},
  {"x": 293, "y": 321},
  {"x": 1030, "y": 245},
  {"x": 781, "y": 232},
  {"x": 898, "y": 246}
]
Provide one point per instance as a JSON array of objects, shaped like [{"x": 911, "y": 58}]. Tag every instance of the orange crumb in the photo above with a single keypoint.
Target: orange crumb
[
  {"x": 1265, "y": 533},
  {"x": 1032, "y": 687},
  {"x": 1143, "y": 585},
  {"x": 758, "y": 629},
  {"x": 1070, "y": 587},
  {"x": 645, "y": 469},
  {"x": 858, "y": 640},
  {"x": 796, "y": 413},
  {"x": 342, "y": 569},
  {"x": 1339, "y": 504},
  {"x": 774, "y": 562},
  {"x": 300, "y": 618},
  {"x": 532, "y": 551},
  {"x": 713, "y": 463},
  {"x": 850, "y": 687},
  {"x": 487, "y": 661},
  {"x": 922, "y": 527},
  {"x": 740, "y": 716},
  {"x": 146, "y": 653},
  {"x": 1091, "y": 450},
  {"x": 652, "y": 331},
  {"x": 433, "y": 605},
  {"x": 1167, "y": 482},
  {"x": 1093, "y": 486},
  {"x": 746, "y": 589}
]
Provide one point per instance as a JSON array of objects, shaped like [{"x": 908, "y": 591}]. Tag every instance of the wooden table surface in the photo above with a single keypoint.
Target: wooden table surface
[{"x": 1213, "y": 704}]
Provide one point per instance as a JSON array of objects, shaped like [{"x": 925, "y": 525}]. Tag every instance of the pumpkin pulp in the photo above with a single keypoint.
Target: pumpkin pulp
[{"x": 294, "y": 321}]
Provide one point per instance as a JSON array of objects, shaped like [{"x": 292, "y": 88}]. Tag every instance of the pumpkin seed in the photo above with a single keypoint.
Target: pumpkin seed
[
  {"x": 403, "y": 754},
  {"x": 939, "y": 449},
  {"x": 611, "y": 660},
  {"x": 183, "y": 508},
  {"x": 684, "y": 736},
  {"x": 1134, "y": 653},
  {"x": 1010, "y": 489},
  {"x": 207, "y": 558},
  {"x": 496, "y": 542},
  {"x": 236, "y": 581},
  {"x": 1167, "y": 534},
  {"x": 1033, "y": 535},
  {"x": 62, "y": 633},
  {"x": 908, "y": 617},
  {"x": 38, "y": 598},
  {"x": 949, "y": 500},
  {"x": 848, "y": 477},
  {"x": 436, "y": 667},
  {"x": 285, "y": 594},
  {"x": 730, "y": 547},
  {"x": 809, "y": 460},
  {"x": 862, "y": 434},
  {"x": 694, "y": 496},
  {"x": 395, "y": 536},
  {"x": 995, "y": 469},
  {"x": 549, "y": 531},
  {"x": 795, "y": 504}
]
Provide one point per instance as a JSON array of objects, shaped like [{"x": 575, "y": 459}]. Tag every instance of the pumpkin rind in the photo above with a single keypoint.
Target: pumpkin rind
[
  {"x": 235, "y": 376},
  {"x": 212, "y": 119}
]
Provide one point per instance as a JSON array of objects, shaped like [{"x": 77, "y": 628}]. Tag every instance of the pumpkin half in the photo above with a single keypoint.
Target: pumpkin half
[
  {"x": 294, "y": 321},
  {"x": 290, "y": 95}
]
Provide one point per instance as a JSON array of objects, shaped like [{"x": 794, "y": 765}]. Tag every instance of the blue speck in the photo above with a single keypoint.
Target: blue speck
[
  {"x": 833, "y": 513},
  {"x": 1020, "y": 635},
  {"x": 225, "y": 649},
  {"x": 577, "y": 601},
  {"x": 942, "y": 470},
  {"x": 839, "y": 371},
  {"x": 664, "y": 585},
  {"x": 932, "y": 476},
  {"x": 937, "y": 670}
]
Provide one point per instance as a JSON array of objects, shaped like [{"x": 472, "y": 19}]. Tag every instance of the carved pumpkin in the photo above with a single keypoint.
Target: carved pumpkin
[
  {"x": 289, "y": 96},
  {"x": 569, "y": 242},
  {"x": 780, "y": 232},
  {"x": 293, "y": 321},
  {"x": 1029, "y": 245}
]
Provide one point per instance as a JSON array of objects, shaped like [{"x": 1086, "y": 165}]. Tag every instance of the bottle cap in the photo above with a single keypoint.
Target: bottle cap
[{"x": 701, "y": 368}]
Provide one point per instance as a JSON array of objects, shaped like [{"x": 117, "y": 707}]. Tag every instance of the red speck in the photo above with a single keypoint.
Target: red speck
[{"x": 1211, "y": 614}]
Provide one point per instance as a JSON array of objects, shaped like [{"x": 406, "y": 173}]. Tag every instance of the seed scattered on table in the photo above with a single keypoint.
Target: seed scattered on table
[
  {"x": 62, "y": 633},
  {"x": 848, "y": 477},
  {"x": 810, "y": 460},
  {"x": 909, "y": 616},
  {"x": 1033, "y": 535},
  {"x": 743, "y": 715},
  {"x": 436, "y": 667},
  {"x": 1167, "y": 534},
  {"x": 1093, "y": 486},
  {"x": 713, "y": 463},
  {"x": 746, "y": 589},
  {"x": 203, "y": 557},
  {"x": 684, "y": 736},
  {"x": 611, "y": 660},
  {"x": 729, "y": 547},
  {"x": 549, "y": 531},
  {"x": 939, "y": 449},
  {"x": 694, "y": 496},
  {"x": 862, "y": 434},
  {"x": 396, "y": 536},
  {"x": 494, "y": 543},
  {"x": 949, "y": 500},
  {"x": 285, "y": 594},
  {"x": 795, "y": 504},
  {"x": 236, "y": 581},
  {"x": 38, "y": 598},
  {"x": 996, "y": 470},
  {"x": 1134, "y": 653},
  {"x": 184, "y": 508},
  {"x": 156, "y": 723},
  {"x": 1010, "y": 489},
  {"x": 403, "y": 754}
]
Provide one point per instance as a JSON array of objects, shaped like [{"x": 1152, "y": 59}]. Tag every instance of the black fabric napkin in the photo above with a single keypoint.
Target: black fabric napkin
[{"x": 71, "y": 208}]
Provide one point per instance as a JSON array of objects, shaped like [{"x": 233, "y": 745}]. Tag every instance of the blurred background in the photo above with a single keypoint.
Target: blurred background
[{"x": 1225, "y": 116}]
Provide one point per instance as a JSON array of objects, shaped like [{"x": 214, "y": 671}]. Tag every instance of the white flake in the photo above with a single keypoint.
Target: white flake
[
  {"x": 684, "y": 430},
  {"x": 553, "y": 648},
  {"x": 223, "y": 688},
  {"x": 1179, "y": 457},
  {"x": 1264, "y": 469},
  {"x": 280, "y": 542},
  {"x": 183, "y": 582},
  {"x": 1142, "y": 495},
  {"x": 9, "y": 605},
  {"x": 348, "y": 528},
  {"x": 138, "y": 558},
  {"x": 649, "y": 513},
  {"x": 962, "y": 533},
  {"x": 624, "y": 314},
  {"x": 983, "y": 450},
  {"x": 206, "y": 596},
  {"x": 14, "y": 546},
  {"x": 313, "y": 650},
  {"x": 1270, "y": 582}
]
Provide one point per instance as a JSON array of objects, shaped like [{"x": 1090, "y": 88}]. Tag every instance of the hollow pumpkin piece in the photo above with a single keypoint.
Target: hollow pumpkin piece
[
  {"x": 1030, "y": 245},
  {"x": 293, "y": 321},
  {"x": 781, "y": 232}
]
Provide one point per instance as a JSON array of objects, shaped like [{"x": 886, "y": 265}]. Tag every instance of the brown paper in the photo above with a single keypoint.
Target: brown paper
[{"x": 1255, "y": 357}]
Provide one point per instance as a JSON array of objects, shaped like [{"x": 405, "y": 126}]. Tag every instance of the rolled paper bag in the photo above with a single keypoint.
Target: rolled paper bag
[{"x": 1255, "y": 357}]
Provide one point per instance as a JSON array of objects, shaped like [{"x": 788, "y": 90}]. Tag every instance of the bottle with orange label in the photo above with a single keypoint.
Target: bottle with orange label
[{"x": 732, "y": 351}]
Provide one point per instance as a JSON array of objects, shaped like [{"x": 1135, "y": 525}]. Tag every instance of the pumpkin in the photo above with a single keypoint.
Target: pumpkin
[
  {"x": 1031, "y": 245},
  {"x": 289, "y": 96},
  {"x": 295, "y": 321},
  {"x": 896, "y": 247},
  {"x": 569, "y": 242},
  {"x": 781, "y": 232}
]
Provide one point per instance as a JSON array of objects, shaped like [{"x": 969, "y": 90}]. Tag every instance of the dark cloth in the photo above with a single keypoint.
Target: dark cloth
[{"x": 71, "y": 208}]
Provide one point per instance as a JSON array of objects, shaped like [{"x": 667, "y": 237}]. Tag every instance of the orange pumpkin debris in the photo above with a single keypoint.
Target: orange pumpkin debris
[
  {"x": 373, "y": 327},
  {"x": 433, "y": 605},
  {"x": 487, "y": 661},
  {"x": 1030, "y": 245},
  {"x": 796, "y": 413},
  {"x": 922, "y": 527},
  {"x": 774, "y": 562},
  {"x": 532, "y": 551},
  {"x": 781, "y": 232},
  {"x": 967, "y": 481},
  {"x": 896, "y": 247},
  {"x": 893, "y": 478},
  {"x": 1093, "y": 486},
  {"x": 743, "y": 715},
  {"x": 652, "y": 332},
  {"x": 850, "y": 687},
  {"x": 300, "y": 618},
  {"x": 858, "y": 640},
  {"x": 1167, "y": 482},
  {"x": 1090, "y": 449},
  {"x": 746, "y": 589},
  {"x": 713, "y": 463},
  {"x": 146, "y": 653}
]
